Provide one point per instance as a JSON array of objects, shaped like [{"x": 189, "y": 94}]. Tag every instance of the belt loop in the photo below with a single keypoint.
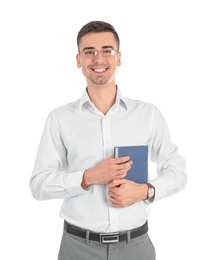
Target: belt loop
[
  {"x": 128, "y": 236},
  {"x": 87, "y": 236}
]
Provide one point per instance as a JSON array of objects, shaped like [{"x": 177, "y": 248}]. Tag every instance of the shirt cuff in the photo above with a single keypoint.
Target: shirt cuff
[{"x": 73, "y": 182}]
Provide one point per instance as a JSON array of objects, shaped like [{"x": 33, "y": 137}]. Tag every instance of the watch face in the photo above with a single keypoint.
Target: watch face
[{"x": 151, "y": 192}]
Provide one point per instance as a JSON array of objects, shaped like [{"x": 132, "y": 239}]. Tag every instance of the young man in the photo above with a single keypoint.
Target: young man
[{"x": 105, "y": 215}]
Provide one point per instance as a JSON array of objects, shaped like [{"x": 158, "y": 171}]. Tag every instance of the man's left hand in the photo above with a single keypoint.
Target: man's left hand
[{"x": 124, "y": 192}]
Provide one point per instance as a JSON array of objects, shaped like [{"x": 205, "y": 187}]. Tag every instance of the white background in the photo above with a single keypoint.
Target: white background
[{"x": 168, "y": 58}]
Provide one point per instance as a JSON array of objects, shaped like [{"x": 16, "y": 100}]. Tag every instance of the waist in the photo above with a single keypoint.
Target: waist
[
  {"x": 106, "y": 238},
  {"x": 103, "y": 219}
]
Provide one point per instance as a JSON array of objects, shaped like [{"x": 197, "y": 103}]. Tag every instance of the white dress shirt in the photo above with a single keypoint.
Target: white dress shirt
[{"x": 77, "y": 136}]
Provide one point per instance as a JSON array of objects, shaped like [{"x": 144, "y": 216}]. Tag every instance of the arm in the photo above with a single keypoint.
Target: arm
[
  {"x": 171, "y": 172},
  {"x": 171, "y": 166},
  {"x": 49, "y": 179}
]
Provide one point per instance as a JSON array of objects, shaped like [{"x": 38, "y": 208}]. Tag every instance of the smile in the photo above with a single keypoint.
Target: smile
[{"x": 99, "y": 70}]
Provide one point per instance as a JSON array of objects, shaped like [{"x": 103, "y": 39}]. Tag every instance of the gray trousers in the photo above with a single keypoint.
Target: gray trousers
[{"x": 76, "y": 248}]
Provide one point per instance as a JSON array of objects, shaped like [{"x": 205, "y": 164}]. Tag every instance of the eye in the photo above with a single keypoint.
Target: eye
[
  {"x": 107, "y": 51},
  {"x": 89, "y": 52}
]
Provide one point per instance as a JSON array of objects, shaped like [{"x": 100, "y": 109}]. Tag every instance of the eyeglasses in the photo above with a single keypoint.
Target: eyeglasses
[{"x": 92, "y": 53}]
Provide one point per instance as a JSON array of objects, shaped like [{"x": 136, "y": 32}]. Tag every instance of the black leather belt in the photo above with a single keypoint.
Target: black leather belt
[{"x": 106, "y": 238}]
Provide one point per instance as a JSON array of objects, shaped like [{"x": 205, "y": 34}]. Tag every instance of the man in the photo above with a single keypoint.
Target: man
[{"x": 105, "y": 215}]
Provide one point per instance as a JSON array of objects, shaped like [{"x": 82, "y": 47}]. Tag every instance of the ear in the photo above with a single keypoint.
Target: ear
[
  {"x": 119, "y": 59},
  {"x": 78, "y": 61}
]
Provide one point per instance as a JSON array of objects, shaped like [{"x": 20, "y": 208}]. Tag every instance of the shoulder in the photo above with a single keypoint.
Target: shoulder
[
  {"x": 72, "y": 107},
  {"x": 143, "y": 110},
  {"x": 139, "y": 104},
  {"x": 63, "y": 113}
]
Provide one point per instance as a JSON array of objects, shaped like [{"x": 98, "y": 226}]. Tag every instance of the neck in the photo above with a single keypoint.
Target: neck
[{"x": 102, "y": 97}]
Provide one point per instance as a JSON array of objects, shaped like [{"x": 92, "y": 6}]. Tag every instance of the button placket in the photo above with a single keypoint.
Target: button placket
[{"x": 108, "y": 150}]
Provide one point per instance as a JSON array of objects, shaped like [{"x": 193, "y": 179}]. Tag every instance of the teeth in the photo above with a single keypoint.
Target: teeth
[{"x": 99, "y": 70}]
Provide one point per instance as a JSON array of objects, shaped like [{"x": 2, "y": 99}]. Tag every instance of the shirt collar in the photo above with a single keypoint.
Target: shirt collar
[
  {"x": 120, "y": 99},
  {"x": 84, "y": 99}
]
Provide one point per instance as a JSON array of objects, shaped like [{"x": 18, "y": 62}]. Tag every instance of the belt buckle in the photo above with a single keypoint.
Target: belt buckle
[{"x": 109, "y": 238}]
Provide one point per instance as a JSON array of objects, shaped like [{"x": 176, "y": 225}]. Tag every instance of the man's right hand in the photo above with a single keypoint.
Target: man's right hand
[{"x": 106, "y": 171}]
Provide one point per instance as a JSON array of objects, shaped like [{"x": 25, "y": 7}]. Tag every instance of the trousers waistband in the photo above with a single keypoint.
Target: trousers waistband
[{"x": 106, "y": 238}]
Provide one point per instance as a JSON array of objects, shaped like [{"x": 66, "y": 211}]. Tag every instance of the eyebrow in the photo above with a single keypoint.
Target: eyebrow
[{"x": 103, "y": 47}]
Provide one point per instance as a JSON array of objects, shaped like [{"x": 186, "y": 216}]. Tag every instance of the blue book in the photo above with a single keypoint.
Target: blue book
[{"x": 139, "y": 155}]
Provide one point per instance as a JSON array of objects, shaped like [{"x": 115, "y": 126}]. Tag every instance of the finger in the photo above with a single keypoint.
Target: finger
[
  {"x": 124, "y": 167},
  {"x": 116, "y": 183},
  {"x": 122, "y": 160},
  {"x": 112, "y": 195},
  {"x": 116, "y": 203}
]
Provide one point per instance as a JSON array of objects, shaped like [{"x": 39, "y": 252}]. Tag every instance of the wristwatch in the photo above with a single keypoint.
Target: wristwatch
[{"x": 151, "y": 191}]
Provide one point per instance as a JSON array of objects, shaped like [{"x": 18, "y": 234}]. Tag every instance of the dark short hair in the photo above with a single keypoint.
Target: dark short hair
[{"x": 97, "y": 27}]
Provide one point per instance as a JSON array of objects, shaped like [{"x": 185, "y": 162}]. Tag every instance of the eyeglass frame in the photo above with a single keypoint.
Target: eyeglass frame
[{"x": 96, "y": 53}]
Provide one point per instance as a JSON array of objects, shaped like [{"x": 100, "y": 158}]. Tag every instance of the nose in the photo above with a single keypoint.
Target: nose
[{"x": 98, "y": 55}]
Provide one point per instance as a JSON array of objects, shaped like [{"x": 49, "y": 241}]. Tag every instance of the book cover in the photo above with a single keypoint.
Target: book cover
[{"x": 139, "y": 155}]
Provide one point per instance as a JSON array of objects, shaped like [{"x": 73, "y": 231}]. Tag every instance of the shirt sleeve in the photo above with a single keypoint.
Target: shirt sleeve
[
  {"x": 49, "y": 179},
  {"x": 171, "y": 166}
]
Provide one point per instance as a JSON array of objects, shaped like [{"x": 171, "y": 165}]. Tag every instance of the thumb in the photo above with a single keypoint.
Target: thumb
[{"x": 116, "y": 183}]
